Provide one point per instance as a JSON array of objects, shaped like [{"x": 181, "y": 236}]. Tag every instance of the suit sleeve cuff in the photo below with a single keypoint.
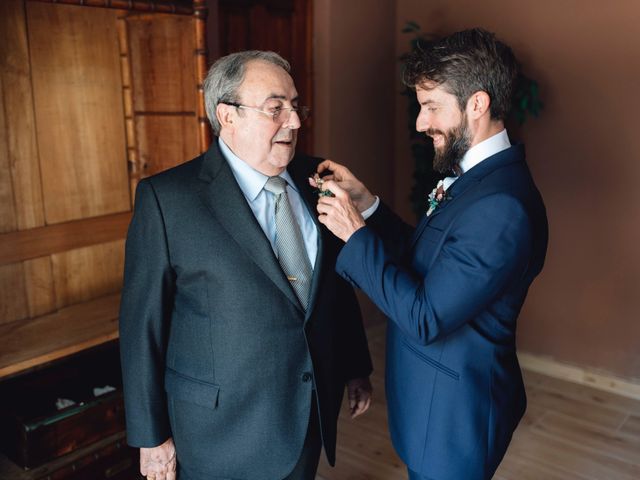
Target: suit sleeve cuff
[{"x": 372, "y": 209}]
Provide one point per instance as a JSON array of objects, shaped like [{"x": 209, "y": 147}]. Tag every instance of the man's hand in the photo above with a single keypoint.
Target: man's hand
[
  {"x": 159, "y": 463},
  {"x": 360, "y": 196},
  {"x": 338, "y": 213},
  {"x": 359, "y": 392}
]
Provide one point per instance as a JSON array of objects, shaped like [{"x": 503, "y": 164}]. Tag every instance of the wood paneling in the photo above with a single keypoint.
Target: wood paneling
[
  {"x": 27, "y": 344},
  {"x": 79, "y": 115},
  {"x": 39, "y": 242},
  {"x": 70, "y": 97},
  {"x": 7, "y": 205},
  {"x": 284, "y": 26},
  {"x": 162, "y": 52},
  {"x": 13, "y": 297},
  {"x": 184, "y": 7},
  {"x": 85, "y": 273},
  {"x": 20, "y": 188},
  {"x": 39, "y": 285},
  {"x": 200, "y": 19},
  {"x": 165, "y": 141}
]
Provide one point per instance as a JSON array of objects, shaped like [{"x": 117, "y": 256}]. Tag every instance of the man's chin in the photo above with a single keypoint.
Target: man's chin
[
  {"x": 280, "y": 161},
  {"x": 441, "y": 165}
]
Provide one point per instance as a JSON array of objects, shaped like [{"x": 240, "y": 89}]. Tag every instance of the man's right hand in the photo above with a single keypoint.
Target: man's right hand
[
  {"x": 360, "y": 196},
  {"x": 159, "y": 463}
]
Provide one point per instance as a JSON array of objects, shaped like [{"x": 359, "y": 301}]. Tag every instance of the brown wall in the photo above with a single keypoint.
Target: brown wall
[
  {"x": 354, "y": 86},
  {"x": 355, "y": 92},
  {"x": 585, "y": 157}
]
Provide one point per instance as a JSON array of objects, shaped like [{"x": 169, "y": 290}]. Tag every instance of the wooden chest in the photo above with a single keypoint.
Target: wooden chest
[
  {"x": 109, "y": 458},
  {"x": 34, "y": 431}
]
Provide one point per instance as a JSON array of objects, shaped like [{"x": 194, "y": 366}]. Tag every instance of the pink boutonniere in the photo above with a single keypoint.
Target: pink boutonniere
[{"x": 436, "y": 196}]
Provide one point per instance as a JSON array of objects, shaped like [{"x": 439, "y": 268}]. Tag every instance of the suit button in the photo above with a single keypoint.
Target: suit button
[{"x": 306, "y": 377}]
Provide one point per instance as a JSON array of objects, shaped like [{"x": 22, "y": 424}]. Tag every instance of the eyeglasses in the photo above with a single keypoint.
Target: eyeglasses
[{"x": 278, "y": 114}]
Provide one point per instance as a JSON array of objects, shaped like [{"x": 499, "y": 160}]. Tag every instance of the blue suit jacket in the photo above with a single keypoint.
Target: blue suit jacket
[{"x": 453, "y": 288}]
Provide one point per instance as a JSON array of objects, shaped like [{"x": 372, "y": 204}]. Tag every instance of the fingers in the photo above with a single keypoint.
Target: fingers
[
  {"x": 323, "y": 208},
  {"x": 340, "y": 171},
  {"x": 159, "y": 463},
  {"x": 356, "y": 404},
  {"x": 156, "y": 471},
  {"x": 171, "y": 473},
  {"x": 367, "y": 404},
  {"x": 143, "y": 466},
  {"x": 360, "y": 405},
  {"x": 334, "y": 188},
  {"x": 326, "y": 165},
  {"x": 353, "y": 398}
]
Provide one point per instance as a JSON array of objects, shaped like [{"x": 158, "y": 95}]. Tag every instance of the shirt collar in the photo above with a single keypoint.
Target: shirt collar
[
  {"x": 485, "y": 149},
  {"x": 250, "y": 180}
]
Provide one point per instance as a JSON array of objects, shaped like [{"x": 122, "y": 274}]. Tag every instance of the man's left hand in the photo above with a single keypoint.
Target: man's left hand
[
  {"x": 359, "y": 393},
  {"x": 338, "y": 213}
]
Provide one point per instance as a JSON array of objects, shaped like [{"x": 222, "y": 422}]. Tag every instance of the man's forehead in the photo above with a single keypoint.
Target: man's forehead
[
  {"x": 432, "y": 91},
  {"x": 265, "y": 81}
]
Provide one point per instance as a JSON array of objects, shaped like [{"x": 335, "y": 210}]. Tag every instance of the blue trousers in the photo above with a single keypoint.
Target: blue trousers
[{"x": 416, "y": 476}]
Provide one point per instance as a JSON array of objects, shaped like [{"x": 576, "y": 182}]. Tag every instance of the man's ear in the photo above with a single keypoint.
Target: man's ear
[
  {"x": 226, "y": 115},
  {"x": 478, "y": 104}
]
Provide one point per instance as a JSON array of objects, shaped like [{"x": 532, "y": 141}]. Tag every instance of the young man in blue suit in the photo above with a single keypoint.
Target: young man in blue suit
[
  {"x": 237, "y": 336},
  {"x": 453, "y": 286}
]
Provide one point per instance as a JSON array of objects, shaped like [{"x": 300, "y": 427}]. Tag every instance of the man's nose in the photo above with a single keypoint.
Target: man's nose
[
  {"x": 422, "y": 123},
  {"x": 293, "y": 122}
]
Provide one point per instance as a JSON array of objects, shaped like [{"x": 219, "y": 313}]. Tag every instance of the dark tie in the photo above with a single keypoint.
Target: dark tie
[{"x": 290, "y": 248}]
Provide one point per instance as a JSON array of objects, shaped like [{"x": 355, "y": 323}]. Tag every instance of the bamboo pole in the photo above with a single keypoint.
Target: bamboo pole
[{"x": 200, "y": 17}]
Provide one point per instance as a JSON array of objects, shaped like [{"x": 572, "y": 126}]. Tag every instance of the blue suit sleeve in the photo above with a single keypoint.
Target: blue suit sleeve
[
  {"x": 145, "y": 311},
  {"x": 487, "y": 247},
  {"x": 393, "y": 231}
]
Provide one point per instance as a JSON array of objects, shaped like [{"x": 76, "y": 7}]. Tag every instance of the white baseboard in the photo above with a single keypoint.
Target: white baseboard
[{"x": 583, "y": 376}]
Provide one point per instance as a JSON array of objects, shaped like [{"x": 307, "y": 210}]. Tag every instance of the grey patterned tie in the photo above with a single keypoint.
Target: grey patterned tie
[{"x": 291, "y": 252}]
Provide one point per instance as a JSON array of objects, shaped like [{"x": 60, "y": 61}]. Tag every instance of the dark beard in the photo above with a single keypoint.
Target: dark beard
[{"x": 457, "y": 143}]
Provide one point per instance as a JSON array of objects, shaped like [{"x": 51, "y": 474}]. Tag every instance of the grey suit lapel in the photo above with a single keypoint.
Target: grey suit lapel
[{"x": 224, "y": 199}]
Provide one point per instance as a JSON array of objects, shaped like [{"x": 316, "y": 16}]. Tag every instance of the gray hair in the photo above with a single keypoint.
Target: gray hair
[{"x": 226, "y": 75}]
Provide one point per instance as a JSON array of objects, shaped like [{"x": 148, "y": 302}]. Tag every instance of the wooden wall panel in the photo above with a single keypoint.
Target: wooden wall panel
[
  {"x": 284, "y": 26},
  {"x": 79, "y": 114},
  {"x": 165, "y": 141},
  {"x": 8, "y": 221},
  {"x": 39, "y": 286},
  {"x": 86, "y": 273},
  {"x": 20, "y": 187},
  {"x": 162, "y": 52},
  {"x": 13, "y": 298}
]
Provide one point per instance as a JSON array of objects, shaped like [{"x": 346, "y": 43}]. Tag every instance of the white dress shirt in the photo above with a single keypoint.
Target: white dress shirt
[
  {"x": 476, "y": 154},
  {"x": 262, "y": 203},
  {"x": 483, "y": 150}
]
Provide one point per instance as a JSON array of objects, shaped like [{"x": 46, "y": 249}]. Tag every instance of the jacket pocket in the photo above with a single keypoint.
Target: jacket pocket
[
  {"x": 430, "y": 361},
  {"x": 191, "y": 389}
]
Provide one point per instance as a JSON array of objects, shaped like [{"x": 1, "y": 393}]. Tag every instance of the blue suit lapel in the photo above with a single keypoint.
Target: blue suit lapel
[
  {"x": 224, "y": 199},
  {"x": 469, "y": 179}
]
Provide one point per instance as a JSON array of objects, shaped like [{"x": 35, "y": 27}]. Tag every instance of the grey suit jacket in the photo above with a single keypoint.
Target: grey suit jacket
[{"x": 216, "y": 350}]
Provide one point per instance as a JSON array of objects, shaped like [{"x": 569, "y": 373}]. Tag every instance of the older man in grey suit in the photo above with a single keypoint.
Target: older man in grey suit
[{"x": 237, "y": 336}]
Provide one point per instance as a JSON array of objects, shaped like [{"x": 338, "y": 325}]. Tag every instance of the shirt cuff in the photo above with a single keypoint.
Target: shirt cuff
[{"x": 372, "y": 209}]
